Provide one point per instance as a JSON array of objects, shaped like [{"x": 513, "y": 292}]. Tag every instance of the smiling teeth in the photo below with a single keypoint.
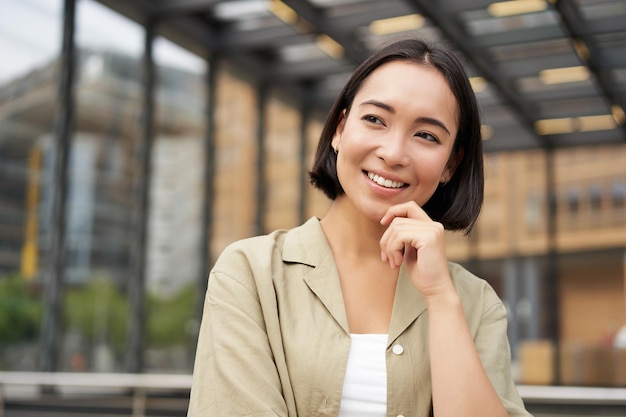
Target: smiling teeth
[{"x": 384, "y": 182}]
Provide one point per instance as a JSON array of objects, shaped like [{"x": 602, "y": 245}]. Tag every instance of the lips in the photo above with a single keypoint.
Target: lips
[{"x": 385, "y": 182}]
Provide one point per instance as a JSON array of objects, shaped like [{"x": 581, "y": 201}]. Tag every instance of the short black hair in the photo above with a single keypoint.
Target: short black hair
[{"x": 456, "y": 204}]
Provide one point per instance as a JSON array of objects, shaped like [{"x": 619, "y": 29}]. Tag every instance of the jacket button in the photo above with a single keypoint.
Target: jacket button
[{"x": 398, "y": 350}]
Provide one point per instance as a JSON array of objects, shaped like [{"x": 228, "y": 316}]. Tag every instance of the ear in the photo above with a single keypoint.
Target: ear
[
  {"x": 339, "y": 131},
  {"x": 453, "y": 162}
]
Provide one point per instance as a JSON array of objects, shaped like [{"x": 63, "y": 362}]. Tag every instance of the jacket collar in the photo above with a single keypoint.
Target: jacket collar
[
  {"x": 307, "y": 245},
  {"x": 408, "y": 305}
]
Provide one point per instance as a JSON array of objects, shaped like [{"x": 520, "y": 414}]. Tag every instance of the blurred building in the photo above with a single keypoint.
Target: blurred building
[{"x": 101, "y": 170}]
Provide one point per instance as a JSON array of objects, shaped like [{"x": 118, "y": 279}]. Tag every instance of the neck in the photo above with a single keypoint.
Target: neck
[{"x": 350, "y": 233}]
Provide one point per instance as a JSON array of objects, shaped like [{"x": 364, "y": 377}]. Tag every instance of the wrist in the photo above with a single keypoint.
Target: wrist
[{"x": 447, "y": 300}]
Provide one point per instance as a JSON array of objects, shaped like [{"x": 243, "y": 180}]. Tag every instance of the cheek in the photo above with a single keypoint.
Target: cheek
[{"x": 431, "y": 167}]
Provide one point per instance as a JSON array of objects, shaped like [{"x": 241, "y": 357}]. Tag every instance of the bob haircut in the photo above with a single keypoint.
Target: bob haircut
[{"x": 455, "y": 204}]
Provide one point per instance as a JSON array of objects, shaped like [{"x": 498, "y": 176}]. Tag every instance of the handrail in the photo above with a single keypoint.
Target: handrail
[
  {"x": 141, "y": 383},
  {"x": 572, "y": 395},
  {"x": 97, "y": 380}
]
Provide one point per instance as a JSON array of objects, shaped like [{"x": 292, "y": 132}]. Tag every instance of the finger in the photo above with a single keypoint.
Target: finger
[
  {"x": 409, "y": 209},
  {"x": 394, "y": 242}
]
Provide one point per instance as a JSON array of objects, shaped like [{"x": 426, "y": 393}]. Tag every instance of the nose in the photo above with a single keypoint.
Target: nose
[{"x": 392, "y": 150}]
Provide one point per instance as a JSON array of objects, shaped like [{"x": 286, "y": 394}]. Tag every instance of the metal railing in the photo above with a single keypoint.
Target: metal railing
[
  {"x": 108, "y": 385},
  {"x": 138, "y": 387}
]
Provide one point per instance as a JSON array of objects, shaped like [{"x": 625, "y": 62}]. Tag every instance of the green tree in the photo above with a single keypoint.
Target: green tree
[
  {"x": 98, "y": 311},
  {"x": 20, "y": 310},
  {"x": 168, "y": 318}
]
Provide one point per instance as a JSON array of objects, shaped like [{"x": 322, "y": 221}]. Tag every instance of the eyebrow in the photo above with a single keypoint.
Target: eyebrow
[{"x": 390, "y": 109}]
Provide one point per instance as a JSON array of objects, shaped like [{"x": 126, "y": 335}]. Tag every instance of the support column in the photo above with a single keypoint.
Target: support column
[
  {"x": 511, "y": 296},
  {"x": 135, "y": 337},
  {"x": 305, "y": 116},
  {"x": 261, "y": 182},
  {"x": 552, "y": 299},
  {"x": 206, "y": 257},
  {"x": 53, "y": 275}
]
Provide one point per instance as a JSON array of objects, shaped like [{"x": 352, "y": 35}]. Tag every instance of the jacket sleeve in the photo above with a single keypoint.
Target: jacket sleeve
[
  {"x": 234, "y": 372},
  {"x": 495, "y": 353}
]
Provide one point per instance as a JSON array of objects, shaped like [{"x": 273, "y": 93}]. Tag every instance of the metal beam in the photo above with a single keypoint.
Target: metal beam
[
  {"x": 571, "y": 22},
  {"x": 354, "y": 49},
  {"x": 167, "y": 9},
  {"x": 451, "y": 30}
]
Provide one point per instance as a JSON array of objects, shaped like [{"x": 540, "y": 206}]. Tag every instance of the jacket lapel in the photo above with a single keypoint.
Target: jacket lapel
[
  {"x": 408, "y": 305},
  {"x": 307, "y": 245}
]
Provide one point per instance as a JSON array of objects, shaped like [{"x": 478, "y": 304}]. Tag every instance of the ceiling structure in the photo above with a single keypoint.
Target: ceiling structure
[{"x": 547, "y": 73}]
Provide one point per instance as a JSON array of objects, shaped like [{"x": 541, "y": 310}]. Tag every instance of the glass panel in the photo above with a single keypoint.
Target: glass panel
[
  {"x": 102, "y": 171},
  {"x": 28, "y": 93},
  {"x": 176, "y": 204}
]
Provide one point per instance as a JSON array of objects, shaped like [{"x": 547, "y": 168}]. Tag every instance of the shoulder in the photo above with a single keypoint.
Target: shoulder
[
  {"x": 248, "y": 252},
  {"x": 477, "y": 295},
  {"x": 470, "y": 284},
  {"x": 302, "y": 244}
]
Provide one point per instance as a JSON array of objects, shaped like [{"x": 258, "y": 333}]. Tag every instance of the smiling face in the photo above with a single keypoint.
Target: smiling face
[{"x": 395, "y": 145}]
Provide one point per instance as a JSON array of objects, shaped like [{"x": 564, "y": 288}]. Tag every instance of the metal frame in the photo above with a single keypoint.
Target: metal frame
[
  {"x": 508, "y": 58},
  {"x": 505, "y": 58}
]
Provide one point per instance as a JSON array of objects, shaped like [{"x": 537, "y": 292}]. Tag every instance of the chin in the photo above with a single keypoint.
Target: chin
[{"x": 376, "y": 213}]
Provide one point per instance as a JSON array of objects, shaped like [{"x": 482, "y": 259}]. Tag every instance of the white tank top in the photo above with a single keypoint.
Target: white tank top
[{"x": 365, "y": 383}]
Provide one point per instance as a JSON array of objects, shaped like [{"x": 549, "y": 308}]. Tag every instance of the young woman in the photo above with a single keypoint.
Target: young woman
[{"x": 360, "y": 313}]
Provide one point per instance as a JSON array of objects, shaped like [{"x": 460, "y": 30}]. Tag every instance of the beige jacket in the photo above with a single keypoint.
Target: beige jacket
[{"x": 274, "y": 338}]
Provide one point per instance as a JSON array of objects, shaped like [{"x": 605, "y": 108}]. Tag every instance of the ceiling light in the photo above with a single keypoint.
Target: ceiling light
[
  {"x": 592, "y": 123},
  {"x": 555, "y": 126},
  {"x": 564, "y": 75},
  {"x": 515, "y": 7},
  {"x": 283, "y": 12},
  {"x": 580, "y": 124},
  {"x": 329, "y": 46},
  {"x": 478, "y": 84},
  {"x": 396, "y": 24}
]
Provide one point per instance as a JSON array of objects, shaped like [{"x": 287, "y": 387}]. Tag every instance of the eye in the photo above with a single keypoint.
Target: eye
[
  {"x": 373, "y": 119},
  {"x": 428, "y": 136}
]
